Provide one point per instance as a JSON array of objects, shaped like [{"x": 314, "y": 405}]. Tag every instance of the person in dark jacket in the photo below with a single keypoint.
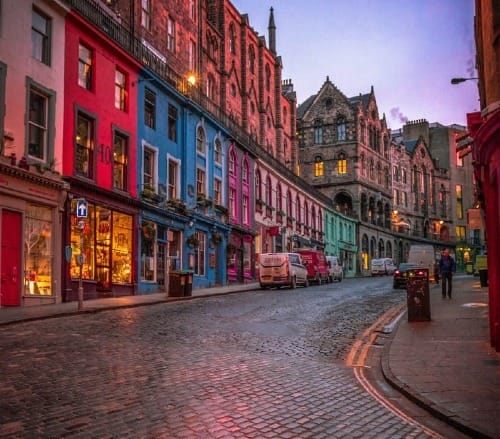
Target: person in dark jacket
[{"x": 447, "y": 268}]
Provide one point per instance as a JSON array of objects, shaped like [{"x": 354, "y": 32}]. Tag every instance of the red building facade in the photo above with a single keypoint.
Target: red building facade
[
  {"x": 100, "y": 125},
  {"x": 486, "y": 147}
]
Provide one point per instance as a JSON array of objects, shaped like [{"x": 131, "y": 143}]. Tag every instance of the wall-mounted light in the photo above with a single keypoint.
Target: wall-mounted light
[{"x": 191, "y": 79}]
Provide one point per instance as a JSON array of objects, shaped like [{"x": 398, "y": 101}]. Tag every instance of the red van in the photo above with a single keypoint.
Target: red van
[{"x": 317, "y": 267}]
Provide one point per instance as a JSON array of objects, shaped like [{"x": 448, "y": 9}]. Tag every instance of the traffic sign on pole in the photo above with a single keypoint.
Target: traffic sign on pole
[{"x": 81, "y": 208}]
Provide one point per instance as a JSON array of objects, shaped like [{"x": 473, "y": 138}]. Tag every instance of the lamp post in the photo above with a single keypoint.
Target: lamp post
[{"x": 456, "y": 81}]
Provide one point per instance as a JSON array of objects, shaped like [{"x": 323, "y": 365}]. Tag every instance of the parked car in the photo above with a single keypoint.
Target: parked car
[
  {"x": 281, "y": 270},
  {"x": 335, "y": 268},
  {"x": 315, "y": 262},
  {"x": 401, "y": 273}
]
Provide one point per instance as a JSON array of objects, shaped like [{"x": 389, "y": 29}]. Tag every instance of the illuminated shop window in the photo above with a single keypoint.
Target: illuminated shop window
[{"x": 38, "y": 251}]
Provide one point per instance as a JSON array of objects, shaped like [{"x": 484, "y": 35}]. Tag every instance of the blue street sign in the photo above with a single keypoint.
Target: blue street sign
[{"x": 81, "y": 208}]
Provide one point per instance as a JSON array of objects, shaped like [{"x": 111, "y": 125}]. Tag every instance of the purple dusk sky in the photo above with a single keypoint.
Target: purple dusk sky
[{"x": 407, "y": 49}]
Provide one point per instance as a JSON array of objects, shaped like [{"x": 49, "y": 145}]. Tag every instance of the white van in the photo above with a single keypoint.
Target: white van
[
  {"x": 382, "y": 267},
  {"x": 335, "y": 269},
  {"x": 424, "y": 256},
  {"x": 282, "y": 270}
]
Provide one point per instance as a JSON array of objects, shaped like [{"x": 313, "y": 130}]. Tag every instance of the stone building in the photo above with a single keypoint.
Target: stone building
[{"x": 344, "y": 151}]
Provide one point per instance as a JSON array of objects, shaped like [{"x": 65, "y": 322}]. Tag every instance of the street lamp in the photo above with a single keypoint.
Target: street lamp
[{"x": 455, "y": 81}]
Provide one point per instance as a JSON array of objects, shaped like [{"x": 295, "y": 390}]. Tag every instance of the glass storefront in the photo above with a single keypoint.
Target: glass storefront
[
  {"x": 38, "y": 250},
  {"x": 105, "y": 240}
]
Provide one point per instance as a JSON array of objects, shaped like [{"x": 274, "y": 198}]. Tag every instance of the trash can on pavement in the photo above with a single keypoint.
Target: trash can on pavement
[
  {"x": 417, "y": 295},
  {"x": 483, "y": 277},
  {"x": 188, "y": 282},
  {"x": 175, "y": 287}
]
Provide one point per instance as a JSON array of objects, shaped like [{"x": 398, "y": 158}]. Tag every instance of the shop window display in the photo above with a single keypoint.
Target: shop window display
[
  {"x": 38, "y": 250},
  {"x": 106, "y": 243},
  {"x": 148, "y": 251}
]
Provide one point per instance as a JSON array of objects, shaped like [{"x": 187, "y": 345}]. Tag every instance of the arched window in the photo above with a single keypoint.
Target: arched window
[
  {"x": 210, "y": 86},
  {"x": 372, "y": 170},
  {"x": 217, "y": 151},
  {"x": 269, "y": 191},
  {"x": 244, "y": 171},
  {"x": 258, "y": 185},
  {"x": 289, "y": 204},
  {"x": 306, "y": 213},
  {"x": 279, "y": 200},
  {"x": 298, "y": 213},
  {"x": 341, "y": 129},
  {"x": 232, "y": 162},
  {"x": 200, "y": 140}
]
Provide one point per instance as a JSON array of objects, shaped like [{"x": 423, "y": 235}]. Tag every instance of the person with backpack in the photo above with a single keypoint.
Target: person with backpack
[{"x": 447, "y": 268}]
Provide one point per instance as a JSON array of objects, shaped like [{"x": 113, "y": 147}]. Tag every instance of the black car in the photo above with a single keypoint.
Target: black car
[{"x": 399, "y": 276}]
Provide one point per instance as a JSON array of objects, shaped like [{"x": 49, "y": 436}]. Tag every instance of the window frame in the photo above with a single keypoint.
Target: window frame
[
  {"x": 45, "y": 42},
  {"x": 121, "y": 163},
  {"x": 149, "y": 108},
  {"x": 120, "y": 90},
  {"x": 89, "y": 145},
  {"x": 85, "y": 67}
]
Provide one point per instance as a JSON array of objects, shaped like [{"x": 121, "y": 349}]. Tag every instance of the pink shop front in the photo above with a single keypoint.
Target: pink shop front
[{"x": 240, "y": 253}]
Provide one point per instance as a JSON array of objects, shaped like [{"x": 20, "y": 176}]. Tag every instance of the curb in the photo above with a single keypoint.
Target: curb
[
  {"x": 420, "y": 400},
  {"x": 94, "y": 310}
]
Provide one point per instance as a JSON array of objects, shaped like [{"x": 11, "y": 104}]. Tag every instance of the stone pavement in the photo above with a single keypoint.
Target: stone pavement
[{"x": 445, "y": 365}]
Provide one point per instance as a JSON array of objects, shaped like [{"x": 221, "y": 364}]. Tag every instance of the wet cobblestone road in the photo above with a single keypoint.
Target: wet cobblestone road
[{"x": 263, "y": 364}]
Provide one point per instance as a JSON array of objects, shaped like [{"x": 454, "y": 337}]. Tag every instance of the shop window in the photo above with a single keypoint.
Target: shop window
[
  {"x": 38, "y": 250},
  {"x": 105, "y": 242},
  {"x": 199, "y": 254},
  {"x": 148, "y": 233}
]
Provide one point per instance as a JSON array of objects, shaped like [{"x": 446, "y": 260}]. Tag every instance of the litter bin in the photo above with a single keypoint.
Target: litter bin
[
  {"x": 417, "y": 295},
  {"x": 175, "y": 287},
  {"x": 188, "y": 282},
  {"x": 483, "y": 277}
]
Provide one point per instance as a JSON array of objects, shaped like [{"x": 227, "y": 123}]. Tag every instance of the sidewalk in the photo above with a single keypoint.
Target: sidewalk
[
  {"x": 447, "y": 365},
  {"x": 10, "y": 315}
]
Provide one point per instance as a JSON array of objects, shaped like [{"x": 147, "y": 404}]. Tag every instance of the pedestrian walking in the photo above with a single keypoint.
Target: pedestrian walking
[{"x": 447, "y": 268}]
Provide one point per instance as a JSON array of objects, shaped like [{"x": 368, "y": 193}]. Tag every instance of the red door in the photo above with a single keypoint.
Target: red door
[{"x": 11, "y": 273}]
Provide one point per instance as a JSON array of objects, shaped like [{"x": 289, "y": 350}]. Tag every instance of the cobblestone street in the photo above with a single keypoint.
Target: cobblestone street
[{"x": 256, "y": 364}]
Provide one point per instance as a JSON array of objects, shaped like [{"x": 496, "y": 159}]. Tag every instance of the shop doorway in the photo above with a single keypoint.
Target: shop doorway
[{"x": 11, "y": 272}]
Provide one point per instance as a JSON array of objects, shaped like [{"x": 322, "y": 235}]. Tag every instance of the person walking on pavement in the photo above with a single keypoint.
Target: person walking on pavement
[{"x": 447, "y": 267}]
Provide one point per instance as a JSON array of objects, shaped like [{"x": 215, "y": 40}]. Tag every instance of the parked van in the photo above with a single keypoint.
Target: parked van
[
  {"x": 382, "y": 267},
  {"x": 424, "y": 256},
  {"x": 281, "y": 270},
  {"x": 315, "y": 262},
  {"x": 335, "y": 269}
]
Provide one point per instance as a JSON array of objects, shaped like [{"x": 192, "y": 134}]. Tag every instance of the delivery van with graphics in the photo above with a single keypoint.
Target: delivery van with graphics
[{"x": 281, "y": 270}]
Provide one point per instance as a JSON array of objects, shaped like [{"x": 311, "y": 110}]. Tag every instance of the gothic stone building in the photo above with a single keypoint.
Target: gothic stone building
[{"x": 344, "y": 151}]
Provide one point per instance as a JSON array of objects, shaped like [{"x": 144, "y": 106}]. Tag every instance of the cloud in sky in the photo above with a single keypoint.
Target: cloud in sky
[{"x": 407, "y": 49}]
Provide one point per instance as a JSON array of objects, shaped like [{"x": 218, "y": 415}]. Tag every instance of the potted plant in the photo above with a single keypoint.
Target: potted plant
[
  {"x": 216, "y": 237},
  {"x": 148, "y": 230},
  {"x": 193, "y": 241}
]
